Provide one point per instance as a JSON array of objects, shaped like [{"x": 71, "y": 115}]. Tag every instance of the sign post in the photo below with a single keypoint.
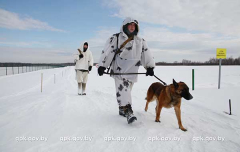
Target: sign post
[
  {"x": 221, "y": 54},
  {"x": 41, "y": 81},
  {"x": 230, "y": 109},
  {"x": 192, "y": 79}
]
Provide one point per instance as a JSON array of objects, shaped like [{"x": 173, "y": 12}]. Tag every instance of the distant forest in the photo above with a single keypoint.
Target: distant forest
[{"x": 211, "y": 61}]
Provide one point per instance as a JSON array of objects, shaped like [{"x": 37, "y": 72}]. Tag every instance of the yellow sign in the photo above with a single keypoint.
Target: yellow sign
[{"x": 221, "y": 53}]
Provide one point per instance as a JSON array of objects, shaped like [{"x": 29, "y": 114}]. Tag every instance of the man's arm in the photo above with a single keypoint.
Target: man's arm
[
  {"x": 76, "y": 58},
  {"x": 90, "y": 61},
  {"x": 147, "y": 59}
]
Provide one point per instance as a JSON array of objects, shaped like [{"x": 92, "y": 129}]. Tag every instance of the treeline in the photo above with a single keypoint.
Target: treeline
[
  {"x": 16, "y": 64},
  {"x": 211, "y": 61}
]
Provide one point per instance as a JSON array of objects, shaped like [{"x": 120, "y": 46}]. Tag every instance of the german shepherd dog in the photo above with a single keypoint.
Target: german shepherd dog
[{"x": 168, "y": 96}]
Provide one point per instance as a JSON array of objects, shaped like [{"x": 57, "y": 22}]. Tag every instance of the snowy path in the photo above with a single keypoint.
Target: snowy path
[{"x": 59, "y": 112}]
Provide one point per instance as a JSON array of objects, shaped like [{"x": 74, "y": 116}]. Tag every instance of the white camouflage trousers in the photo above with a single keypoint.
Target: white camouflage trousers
[{"x": 123, "y": 91}]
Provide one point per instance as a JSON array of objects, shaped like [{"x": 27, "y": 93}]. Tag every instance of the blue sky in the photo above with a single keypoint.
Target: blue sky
[
  {"x": 78, "y": 19},
  {"x": 51, "y": 31}
]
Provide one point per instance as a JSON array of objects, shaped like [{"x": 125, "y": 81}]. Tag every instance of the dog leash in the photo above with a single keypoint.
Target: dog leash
[
  {"x": 160, "y": 80},
  {"x": 135, "y": 74}
]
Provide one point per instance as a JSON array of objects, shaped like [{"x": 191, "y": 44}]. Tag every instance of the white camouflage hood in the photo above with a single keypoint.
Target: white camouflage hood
[
  {"x": 130, "y": 20},
  {"x": 82, "y": 45}
]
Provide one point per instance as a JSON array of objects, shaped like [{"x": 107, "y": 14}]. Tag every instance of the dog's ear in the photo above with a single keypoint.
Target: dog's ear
[{"x": 175, "y": 84}]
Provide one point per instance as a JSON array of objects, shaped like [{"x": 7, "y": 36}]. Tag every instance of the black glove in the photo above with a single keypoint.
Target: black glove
[
  {"x": 80, "y": 56},
  {"x": 89, "y": 68},
  {"x": 150, "y": 72},
  {"x": 101, "y": 70}
]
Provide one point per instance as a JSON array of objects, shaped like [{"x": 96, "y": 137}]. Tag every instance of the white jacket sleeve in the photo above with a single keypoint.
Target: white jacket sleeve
[
  {"x": 90, "y": 59},
  {"x": 76, "y": 58},
  {"x": 147, "y": 59},
  {"x": 108, "y": 52}
]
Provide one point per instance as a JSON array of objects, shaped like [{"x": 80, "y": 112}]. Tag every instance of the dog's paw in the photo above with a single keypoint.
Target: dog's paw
[
  {"x": 157, "y": 121},
  {"x": 183, "y": 129}
]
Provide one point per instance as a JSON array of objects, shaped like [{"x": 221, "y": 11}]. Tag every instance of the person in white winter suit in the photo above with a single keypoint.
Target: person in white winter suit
[
  {"x": 127, "y": 60},
  {"x": 84, "y": 63}
]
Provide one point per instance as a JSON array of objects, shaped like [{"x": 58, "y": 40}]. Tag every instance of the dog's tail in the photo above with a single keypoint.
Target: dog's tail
[{"x": 150, "y": 93}]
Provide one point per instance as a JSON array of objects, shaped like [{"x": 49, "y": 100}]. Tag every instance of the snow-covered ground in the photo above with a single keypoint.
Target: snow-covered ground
[{"x": 59, "y": 120}]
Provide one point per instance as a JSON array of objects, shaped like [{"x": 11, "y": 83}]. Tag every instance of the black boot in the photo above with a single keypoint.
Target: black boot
[
  {"x": 121, "y": 111},
  {"x": 129, "y": 114}
]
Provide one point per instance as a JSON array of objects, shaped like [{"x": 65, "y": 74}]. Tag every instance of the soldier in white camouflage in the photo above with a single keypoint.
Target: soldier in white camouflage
[{"x": 127, "y": 60}]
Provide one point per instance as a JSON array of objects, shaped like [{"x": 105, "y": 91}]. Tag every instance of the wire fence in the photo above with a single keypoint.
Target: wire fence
[{"x": 11, "y": 70}]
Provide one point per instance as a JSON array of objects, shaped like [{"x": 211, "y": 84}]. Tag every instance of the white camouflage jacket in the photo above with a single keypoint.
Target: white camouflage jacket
[{"x": 134, "y": 54}]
